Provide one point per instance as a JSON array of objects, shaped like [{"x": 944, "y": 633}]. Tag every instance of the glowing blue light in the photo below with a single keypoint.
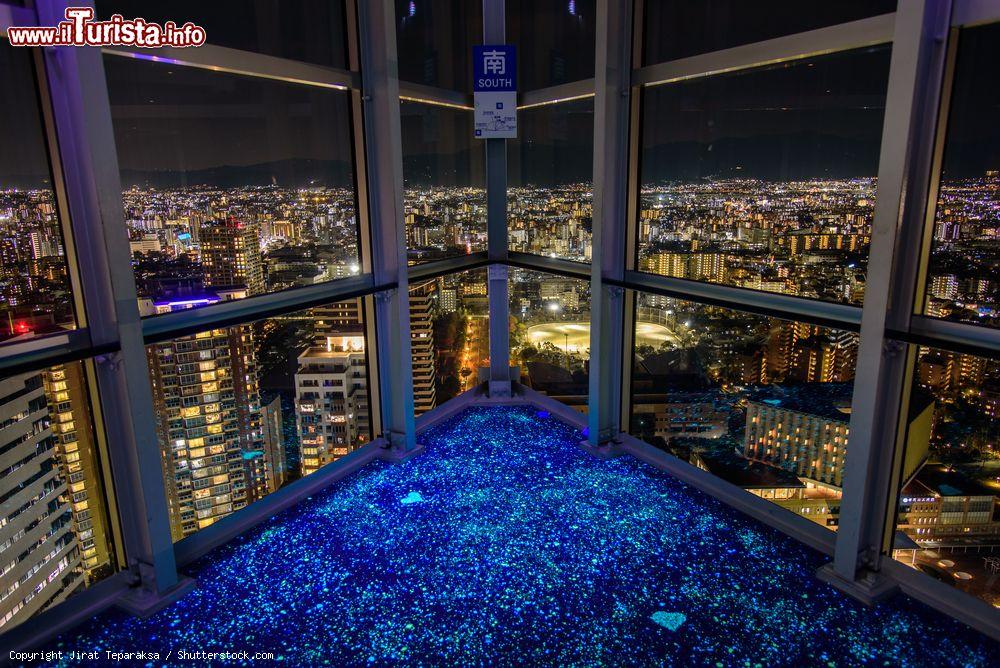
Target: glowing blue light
[
  {"x": 412, "y": 497},
  {"x": 188, "y": 302},
  {"x": 668, "y": 620},
  {"x": 532, "y": 552}
]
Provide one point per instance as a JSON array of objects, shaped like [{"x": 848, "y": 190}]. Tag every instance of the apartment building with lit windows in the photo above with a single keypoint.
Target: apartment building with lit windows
[
  {"x": 331, "y": 400},
  {"x": 207, "y": 408},
  {"x": 804, "y": 432},
  {"x": 72, "y": 424},
  {"x": 230, "y": 255},
  {"x": 422, "y": 302},
  {"x": 40, "y": 561}
]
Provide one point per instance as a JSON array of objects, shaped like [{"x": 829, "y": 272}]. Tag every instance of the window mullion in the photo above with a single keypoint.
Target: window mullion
[
  {"x": 882, "y": 367},
  {"x": 383, "y": 148},
  {"x": 494, "y": 27},
  {"x": 610, "y": 206},
  {"x": 81, "y": 119}
]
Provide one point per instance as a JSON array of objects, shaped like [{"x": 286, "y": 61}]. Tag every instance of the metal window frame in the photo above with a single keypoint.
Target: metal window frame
[
  {"x": 612, "y": 115},
  {"x": 822, "y": 41},
  {"x": 870, "y": 470},
  {"x": 87, "y": 185},
  {"x": 112, "y": 329},
  {"x": 968, "y": 13},
  {"x": 499, "y": 383}
]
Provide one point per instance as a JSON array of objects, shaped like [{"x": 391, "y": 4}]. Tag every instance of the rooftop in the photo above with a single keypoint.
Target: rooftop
[
  {"x": 505, "y": 542},
  {"x": 827, "y": 400},
  {"x": 747, "y": 473},
  {"x": 940, "y": 480}
]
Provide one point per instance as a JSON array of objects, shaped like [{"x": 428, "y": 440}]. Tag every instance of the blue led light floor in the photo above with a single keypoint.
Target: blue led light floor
[{"x": 505, "y": 544}]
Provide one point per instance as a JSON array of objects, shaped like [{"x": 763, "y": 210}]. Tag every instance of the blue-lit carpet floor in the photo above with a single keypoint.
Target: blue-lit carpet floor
[{"x": 505, "y": 544}]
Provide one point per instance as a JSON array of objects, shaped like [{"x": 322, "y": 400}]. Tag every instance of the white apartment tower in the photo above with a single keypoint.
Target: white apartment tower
[
  {"x": 331, "y": 399},
  {"x": 39, "y": 552}
]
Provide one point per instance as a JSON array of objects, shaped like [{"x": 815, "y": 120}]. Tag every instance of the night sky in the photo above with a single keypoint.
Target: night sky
[
  {"x": 309, "y": 30},
  {"x": 23, "y": 160},
  {"x": 555, "y": 145},
  {"x": 176, "y": 126},
  {"x": 974, "y": 118},
  {"x": 681, "y": 28},
  {"x": 179, "y": 126},
  {"x": 438, "y": 147},
  {"x": 817, "y": 117}
]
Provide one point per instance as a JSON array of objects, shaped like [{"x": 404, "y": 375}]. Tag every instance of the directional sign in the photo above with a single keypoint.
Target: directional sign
[{"x": 494, "y": 88}]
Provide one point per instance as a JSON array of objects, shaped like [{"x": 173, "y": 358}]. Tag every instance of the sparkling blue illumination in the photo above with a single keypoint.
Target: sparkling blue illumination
[
  {"x": 412, "y": 497},
  {"x": 669, "y": 620},
  {"x": 526, "y": 550}
]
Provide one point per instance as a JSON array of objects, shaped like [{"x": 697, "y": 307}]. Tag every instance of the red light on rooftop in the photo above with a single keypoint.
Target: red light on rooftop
[{"x": 22, "y": 327}]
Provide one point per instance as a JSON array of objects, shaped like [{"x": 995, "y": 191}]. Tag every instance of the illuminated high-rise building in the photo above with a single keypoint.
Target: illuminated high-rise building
[
  {"x": 708, "y": 267},
  {"x": 824, "y": 355},
  {"x": 230, "y": 255},
  {"x": 207, "y": 408},
  {"x": 331, "y": 400},
  {"x": 944, "y": 286},
  {"x": 422, "y": 347},
  {"x": 41, "y": 554},
  {"x": 339, "y": 317},
  {"x": 73, "y": 429}
]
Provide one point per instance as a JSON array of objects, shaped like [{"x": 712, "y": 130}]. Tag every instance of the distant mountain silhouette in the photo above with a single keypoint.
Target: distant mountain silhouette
[
  {"x": 24, "y": 182},
  {"x": 766, "y": 157},
  {"x": 461, "y": 168},
  {"x": 291, "y": 173}
]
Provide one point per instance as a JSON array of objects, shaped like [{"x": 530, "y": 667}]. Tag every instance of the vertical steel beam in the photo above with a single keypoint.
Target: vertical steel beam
[
  {"x": 612, "y": 95},
  {"x": 364, "y": 218},
  {"x": 494, "y": 32},
  {"x": 84, "y": 136},
  {"x": 866, "y": 518},
  {"x": 384, "y": 163},
  {"x": 633, "y": 207}
]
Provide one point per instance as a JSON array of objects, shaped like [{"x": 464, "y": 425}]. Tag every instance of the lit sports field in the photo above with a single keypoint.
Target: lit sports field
[{"x": 576, "y": 335}]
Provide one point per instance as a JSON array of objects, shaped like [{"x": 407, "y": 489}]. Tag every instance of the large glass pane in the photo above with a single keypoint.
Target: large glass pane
[
  {"x": 765, "y": 178},
  {"x": 948, "y": 521},
  {"x": 309, "y": 30},
  {"x": 550, "y": 171},
  {"x": 55, "y": 527},
  {"x": 234, "y": 186},
  {"x": 762, "y": 403},
  {"x": 444, "y": 183},
  {"x": 550, "y": 334},
  {"x": 962, "y": 281},
  {"x": 34, "y": 280},
  {"x": 449, "y": 336},
  {"x": 243, "y": 410},
  {"x": 434, "y": 40},
  {"x": 680, "y": 28},
  {"x": 554, "y": 38}
]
